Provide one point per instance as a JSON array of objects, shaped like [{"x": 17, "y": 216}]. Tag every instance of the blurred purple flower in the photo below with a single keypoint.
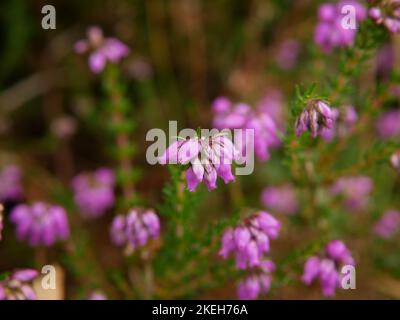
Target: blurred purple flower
[
  {"x": 387, "y": 14},
  {"x": 18, "y": 286},
  {"x": 326, "y": 267},
  {"x": 135, "y": 229},
  {"x": 329, "y": 32},
  {"x": 250, "y": 240},
  {"x": 343, "y": 124},
  {"x": 10, "y": 183},
  {"x": 395, "y": 160},
  {"x": 316, "y": 117},
  {"x": 208, "y": 158},
  {"x": 281, "y": 199},
  {"x": 388, "y": 124},
  {"x": 102, "y": 49},
  {"x": 40, "y": 223},
  {"x": 94, "y": 192},
  {"x": 255, "y": 284},
  {"x": 1, "y": 220},
  {"x": 287, "y": 54},
  {"x": 97, "y": 295},
  {"x": 354, "y": 190},
  {"x": 242, "y": 116},
  {"x": 388, "y": 224}
]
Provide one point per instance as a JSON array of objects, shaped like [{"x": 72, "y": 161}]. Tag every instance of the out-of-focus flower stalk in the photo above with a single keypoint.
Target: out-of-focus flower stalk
[{"x": 121, "y": 131}]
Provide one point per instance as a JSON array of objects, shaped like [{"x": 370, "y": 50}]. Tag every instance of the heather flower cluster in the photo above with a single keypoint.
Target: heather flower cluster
[
  {"x": 388, "y": 225},
  {"x": 258, "y": 283},
  {"x": 263, "y": 121},
  {"x": 1, "y": 220},
  {"x": 102, "y": 50},
  {"x": 354, "y": 191},
  {"x": 135, "y": 229},
  {"x": 18, "y": 286},
  {"x": 94, "y": 192},
  {"x": 327, "y": 267},
  {"x": 10, "y": 183},
  {"x": 387, "y": 13},
  {"x": 249, "y": 241},
  {"x": 207, "y": 157},
  {"x": 316, "y": 117},
  {"x": 40, "y": 224},
  {"x": 330, "y": 31}
]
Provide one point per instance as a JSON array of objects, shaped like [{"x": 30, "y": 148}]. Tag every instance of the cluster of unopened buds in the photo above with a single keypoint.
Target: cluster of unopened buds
[
  {"x": 18, "y": 286},
  {"x": 387, "y": 13},
  {"x": 316, "y": 117},
  {"x": 135, "y": 229},
  {"x": 249, "y": 241}
]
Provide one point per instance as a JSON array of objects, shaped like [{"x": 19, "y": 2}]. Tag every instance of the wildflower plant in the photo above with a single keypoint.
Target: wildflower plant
[{"x": 323, "y": 110}]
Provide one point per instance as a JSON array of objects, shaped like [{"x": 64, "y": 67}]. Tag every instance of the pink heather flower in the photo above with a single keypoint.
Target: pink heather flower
[
  {"x": 387, "y": 14},
  {"x": 272, "y": 103},
  {"x": 388, "y": 124},
  {"x": 388, "y": 224},
  {"x": 288, "y": 53},
  {"x": 207, "y": 157},
  {"x": 1, "y": 220},
  {"x": 395, "y": 160},
  {"x": 343, "y": 123},
  {"x": 135, "y": 229},
  {"x": 97, "y": 295},
  {"x": 354, "y": 190},
  {"x": 316, "y": 117},
  {"x": 40, "y": 223},
  {"x": 327, "y": 267},
  {"x": 94, "y": 192},
  {"x": 250, "y": 240},
  {"x": 242, "y": 116},
  {"x": 10, "y": 183},
  {"x": 102, "y": 49},
  {"x": 329, "y": 32},
  {"x": 282, "y": 199},
  {"x": 18, "y": 286},
  {"x": 255, "y": 284}
]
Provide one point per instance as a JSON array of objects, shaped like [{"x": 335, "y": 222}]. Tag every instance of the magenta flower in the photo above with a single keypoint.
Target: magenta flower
[
  {"x": 329, "y": 32},
  {"x": 355, "y": 191},
  {"x": 18, "y": 286},
  {"x": 316, "y": 117},
  {"x": 10, "y": 183},
  {"x": 250, "y": 239},
  {"x": 242, "y": 116},
  {"x": 94, "y": 192},
  {"x": 288, "y": 53},
  {"x": 40, "y": 223},
  {"x": 207, "y": 157},
  {"x": 97, "y": 295},
  {"x": 327, "y": 267},
  {"x": 388, "y": 224},
  {"x": 282, "y": 199},
  {"x": 387, "y": 14},
  {"x": 135, "y": 229},
  {"x": 395, "y": 160},
  {"x": 255, "y": 284},
  {"x": 102, "y": 49},
  {"x": 388, "y": 124},
  {"x": 1, "y": 220}
]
